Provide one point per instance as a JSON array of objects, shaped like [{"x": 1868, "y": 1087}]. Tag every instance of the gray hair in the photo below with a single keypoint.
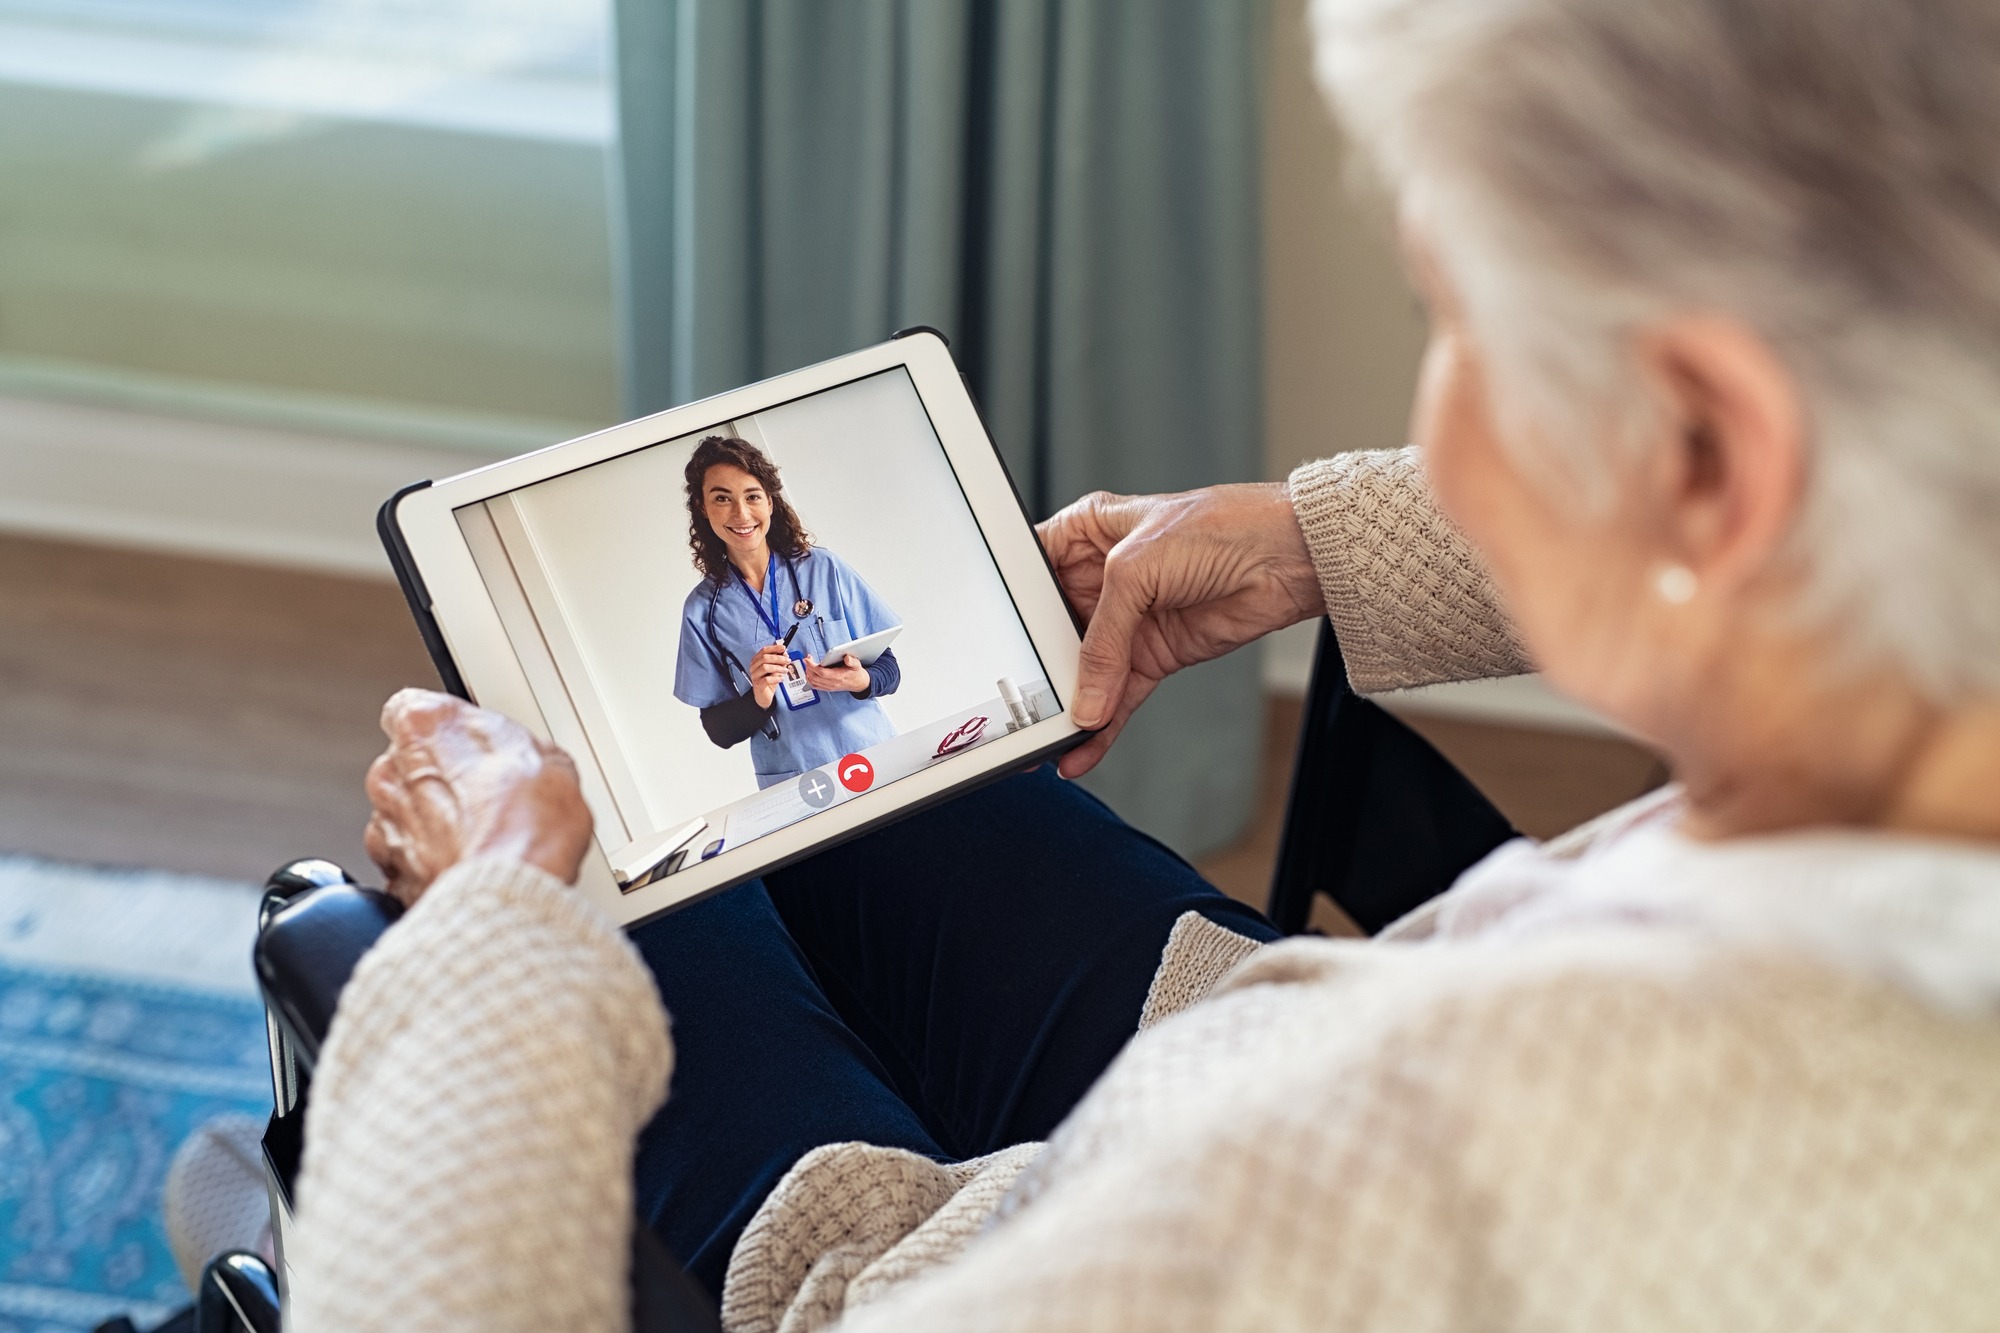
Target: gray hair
[{"x": 1825, "y": 171}]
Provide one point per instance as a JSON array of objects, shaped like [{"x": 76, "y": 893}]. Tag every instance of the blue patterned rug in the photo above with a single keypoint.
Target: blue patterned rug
[{"x": 127, "y": 1018}]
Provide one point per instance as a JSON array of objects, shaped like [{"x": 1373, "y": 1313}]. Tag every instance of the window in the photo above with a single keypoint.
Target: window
[{"x": 366, "y": 206}]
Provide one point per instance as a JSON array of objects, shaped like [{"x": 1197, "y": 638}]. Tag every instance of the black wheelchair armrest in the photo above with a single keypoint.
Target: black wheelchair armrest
[
  {"x": 308, "y": 948},
  {"x": 239, "y": 1294}
]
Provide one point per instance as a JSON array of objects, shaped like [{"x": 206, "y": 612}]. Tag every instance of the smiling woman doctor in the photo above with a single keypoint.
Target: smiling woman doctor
[{"x": 769, "y": 597}]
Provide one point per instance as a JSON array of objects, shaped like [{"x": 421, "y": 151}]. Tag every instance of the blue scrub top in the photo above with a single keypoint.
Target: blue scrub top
[{"x": 844, "y": 608}]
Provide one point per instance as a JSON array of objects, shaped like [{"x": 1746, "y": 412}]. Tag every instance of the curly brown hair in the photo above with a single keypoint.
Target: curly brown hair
[{"x": 788, "y": 537}]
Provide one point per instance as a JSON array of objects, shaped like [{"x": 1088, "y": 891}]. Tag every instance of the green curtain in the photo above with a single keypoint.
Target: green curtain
[{"x": 1068, "y": 189}]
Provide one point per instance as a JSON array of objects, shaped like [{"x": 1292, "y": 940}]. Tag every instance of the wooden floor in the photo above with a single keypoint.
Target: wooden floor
[
  {"x": 199, "y": 715},
  {"x": 190, "y": 714}
]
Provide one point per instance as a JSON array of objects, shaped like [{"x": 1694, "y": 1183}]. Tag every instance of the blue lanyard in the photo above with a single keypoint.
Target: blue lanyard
[{"x": 770, "y": 619}]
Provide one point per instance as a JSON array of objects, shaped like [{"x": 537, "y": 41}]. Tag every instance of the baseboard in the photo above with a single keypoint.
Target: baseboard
[
  {"x": 1520, "y": 701},
  {"x": 1516, "y": 701},
  {"x": 294, "y": 411},
  {"x": 233, "y": 489}
]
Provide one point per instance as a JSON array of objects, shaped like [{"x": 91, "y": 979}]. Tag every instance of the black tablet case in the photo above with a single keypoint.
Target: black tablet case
[{"x": 414, "y": 591}]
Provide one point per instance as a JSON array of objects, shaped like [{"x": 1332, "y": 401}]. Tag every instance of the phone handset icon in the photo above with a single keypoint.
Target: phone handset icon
[{"x": 856, "y": 773}]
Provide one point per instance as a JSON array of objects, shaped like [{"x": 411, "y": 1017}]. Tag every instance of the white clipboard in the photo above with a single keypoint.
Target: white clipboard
[{"x": 865, "y": 649}]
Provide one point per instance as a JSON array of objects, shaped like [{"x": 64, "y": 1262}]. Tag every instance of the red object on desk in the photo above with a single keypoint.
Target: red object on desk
[{"x": 964, "y": 737}]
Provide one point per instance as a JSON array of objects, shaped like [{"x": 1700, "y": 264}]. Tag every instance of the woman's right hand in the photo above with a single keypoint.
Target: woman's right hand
[{"x": 769, "y": 669}]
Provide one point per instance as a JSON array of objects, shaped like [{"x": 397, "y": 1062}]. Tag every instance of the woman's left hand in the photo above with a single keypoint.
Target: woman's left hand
[
  {"x": 458, "y": 782},
  {"x": 850, "y": 675}
]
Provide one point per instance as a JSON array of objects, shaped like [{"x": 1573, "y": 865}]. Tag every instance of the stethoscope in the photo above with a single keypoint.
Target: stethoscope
[{"x": 726, "y": 661}]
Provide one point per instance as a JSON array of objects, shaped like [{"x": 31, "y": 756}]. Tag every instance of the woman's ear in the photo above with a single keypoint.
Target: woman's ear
[{"x": 1731, "y": 463}]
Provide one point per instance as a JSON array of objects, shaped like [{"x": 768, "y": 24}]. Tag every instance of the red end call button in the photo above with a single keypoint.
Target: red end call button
[{"x": 856, "y": 773}]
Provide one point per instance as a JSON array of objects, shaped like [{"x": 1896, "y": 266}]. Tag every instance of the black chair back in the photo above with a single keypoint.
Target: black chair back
[{"x": 1378, "y": 820}]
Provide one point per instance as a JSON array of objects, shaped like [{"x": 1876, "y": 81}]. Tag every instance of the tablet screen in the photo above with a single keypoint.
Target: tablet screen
[{"x": 671, "y": 609}]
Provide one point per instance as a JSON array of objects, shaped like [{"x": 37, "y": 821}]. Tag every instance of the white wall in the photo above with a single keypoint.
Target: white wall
[
  {"x": 902, "y": 523},
  {"x": 1343, "y": 336},
  {"x": 865, "y": 472},
  {"x": 1342, "y": 330},
  {"x": 612, "y": 543}
]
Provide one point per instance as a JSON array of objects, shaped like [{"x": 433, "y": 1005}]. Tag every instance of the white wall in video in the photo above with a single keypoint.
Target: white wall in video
[{"x": 612, "y": 616}]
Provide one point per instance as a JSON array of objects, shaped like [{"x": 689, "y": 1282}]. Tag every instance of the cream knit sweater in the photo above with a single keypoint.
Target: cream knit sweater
[{"x": 1623, "y": 1080}]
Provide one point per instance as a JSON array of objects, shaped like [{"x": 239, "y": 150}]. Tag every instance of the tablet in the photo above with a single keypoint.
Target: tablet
[
  {"x": 614, "y": 593},
  {"x": 866, "y": 648}
]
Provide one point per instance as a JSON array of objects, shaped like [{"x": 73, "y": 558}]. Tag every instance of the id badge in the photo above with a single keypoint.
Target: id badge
[{"x": 794, "y": 691}]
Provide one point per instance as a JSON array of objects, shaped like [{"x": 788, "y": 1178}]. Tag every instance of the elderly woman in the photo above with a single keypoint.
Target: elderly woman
[{"x": 1712, "y": 410}]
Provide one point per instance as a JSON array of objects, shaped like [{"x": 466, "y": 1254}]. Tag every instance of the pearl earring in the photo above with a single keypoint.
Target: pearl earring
[{"x": 1675, "y": 584}]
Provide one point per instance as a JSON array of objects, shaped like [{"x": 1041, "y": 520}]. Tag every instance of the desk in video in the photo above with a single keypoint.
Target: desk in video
[{"x": 676, "y": 611}]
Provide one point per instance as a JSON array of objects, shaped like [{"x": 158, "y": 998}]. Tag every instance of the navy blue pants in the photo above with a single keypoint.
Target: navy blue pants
[{"x": 951, "y": 984}]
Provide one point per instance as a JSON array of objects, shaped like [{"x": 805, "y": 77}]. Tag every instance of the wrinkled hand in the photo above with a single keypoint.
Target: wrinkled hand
[
  {"x": 770, "y": 668},
  {"x": 459, "y": 782},
  {"x": 1167, "y": 581},
  {"x": 850, "y": 675}
]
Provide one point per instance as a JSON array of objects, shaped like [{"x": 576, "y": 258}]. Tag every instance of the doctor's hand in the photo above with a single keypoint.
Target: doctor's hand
[
  {"x": 459, "y": 782},
  {"x": 850, "y": 675},
  {"x": 769, "y": 669},
  {"x": 1167, "y": 581}
]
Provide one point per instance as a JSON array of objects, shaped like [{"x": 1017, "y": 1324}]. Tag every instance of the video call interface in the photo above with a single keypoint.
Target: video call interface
[{"x": 738, "y": 628}]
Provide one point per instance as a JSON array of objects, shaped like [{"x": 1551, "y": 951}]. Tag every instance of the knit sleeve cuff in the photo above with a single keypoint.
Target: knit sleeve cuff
[
  {"x": 1408, "y": 598},
  {"x": 482, "y": 941},
  {"x": 470, "y": 1138}
]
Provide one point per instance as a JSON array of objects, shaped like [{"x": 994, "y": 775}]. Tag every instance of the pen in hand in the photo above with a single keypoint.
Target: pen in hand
[{"x": 795, "y": 674}]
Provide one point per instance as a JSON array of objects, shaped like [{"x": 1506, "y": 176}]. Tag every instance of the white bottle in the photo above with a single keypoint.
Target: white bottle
[{"x": 1017, "y": 707}]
